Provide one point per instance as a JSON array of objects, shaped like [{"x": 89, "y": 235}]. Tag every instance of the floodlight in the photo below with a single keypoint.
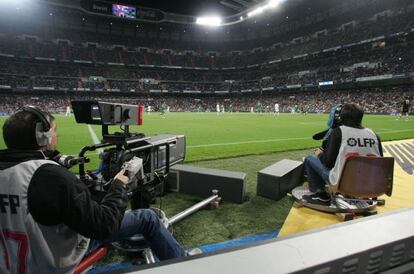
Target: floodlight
[
  {"x": 273, "y": 3},
  {"x": 15, "y": 2},
  {"x": 209, "y": 21},
  {"x": 256, "y": 11}
]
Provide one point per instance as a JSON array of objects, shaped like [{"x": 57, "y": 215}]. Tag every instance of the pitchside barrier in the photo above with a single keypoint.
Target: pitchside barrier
[
  {"x": 376, "y": 244},
  {"x": 200, "y": 182},
  {"x": 275, "y": 181}
]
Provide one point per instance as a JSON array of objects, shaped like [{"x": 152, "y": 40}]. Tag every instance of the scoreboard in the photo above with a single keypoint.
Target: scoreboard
[{"x": 131, "y": 12}]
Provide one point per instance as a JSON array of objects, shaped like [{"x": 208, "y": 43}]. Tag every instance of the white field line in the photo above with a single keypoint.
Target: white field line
[
  {"x": 94, "y": 138},
  {"x": 386, "y": 129},
  {"x": 310, "y": 123},
  {"x": 96, "y": 141},
  {"x": 249, "y": 142},
  {"x": 279, "y": 140}
]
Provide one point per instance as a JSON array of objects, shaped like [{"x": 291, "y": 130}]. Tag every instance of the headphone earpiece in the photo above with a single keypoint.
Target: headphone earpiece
[
  {"x": 337, "y": 115},
  {"x": 43, "y": 131},
  {"x": 43, "y": 138}
]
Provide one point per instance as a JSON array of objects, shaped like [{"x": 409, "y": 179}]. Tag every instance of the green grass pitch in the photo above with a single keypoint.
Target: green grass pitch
[
  {"x": 243, "y": 142},
  {"x": 233, "y": 134}
]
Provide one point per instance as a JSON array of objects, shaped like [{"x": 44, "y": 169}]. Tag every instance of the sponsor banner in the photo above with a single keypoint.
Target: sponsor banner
[
  {"x": 332, "y": 49},
  {"x": 6, "y": 55},
  {"x": 5, "y": 86},
  {"x": 374, "y": 78},
  {"x": 300, "y": 56},
  {"x": 401, "y": 75},
  {"x": 43, "y": 88},
  {"x": 82, "y": 61},
  {"x": 100, "y": 7},
  {"x": 174, "y": 67},
  {"x": 294, "y": 86},
  {"x": 326, "y": 83},
  {"x": 275, "y": 61},
  {"x": 45, "y": 59}
]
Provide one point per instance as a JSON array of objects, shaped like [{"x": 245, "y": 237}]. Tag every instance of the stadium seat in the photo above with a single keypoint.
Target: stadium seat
[
  {"x": 363, "y": 179},
  {"x": 366, "y": 176},
  {"x": 90, "y": 260}
]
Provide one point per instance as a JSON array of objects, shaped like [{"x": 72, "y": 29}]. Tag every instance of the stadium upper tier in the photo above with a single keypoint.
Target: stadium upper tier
[
  {"x": 386, "y": 57},
  {"x": 378, "y": 48},
  {"x": 66, "y": 45}
]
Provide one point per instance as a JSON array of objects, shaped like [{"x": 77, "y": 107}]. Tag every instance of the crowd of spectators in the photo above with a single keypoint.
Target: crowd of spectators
[
  {"x": 341, "y": 66},
  {"x": 35, "y": 63},
  {"x": 81, "y": 63},
  {"x": 378, "y": 100},
  {"x": 98, "y": 48}
]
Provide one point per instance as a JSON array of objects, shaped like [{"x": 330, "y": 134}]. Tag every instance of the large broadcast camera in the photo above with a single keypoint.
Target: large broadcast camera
[{"x": 157, "y": 153}]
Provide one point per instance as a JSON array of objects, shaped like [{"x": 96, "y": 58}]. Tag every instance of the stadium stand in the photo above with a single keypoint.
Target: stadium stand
[
  {"x": 375, "y": 100},
  {"x": 380, "y": 47},
  {"x": 326, "y": 53}
]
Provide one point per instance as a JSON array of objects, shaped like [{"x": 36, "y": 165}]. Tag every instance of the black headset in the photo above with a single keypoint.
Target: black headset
[
  {"x": 337, "y": 116},
  {"x": 43, "y": 126}
]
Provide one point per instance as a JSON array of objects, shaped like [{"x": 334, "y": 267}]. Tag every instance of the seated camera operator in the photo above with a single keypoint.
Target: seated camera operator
[
  {"x": 326, "y": 164},
  {"x": 48, "y": 220}
]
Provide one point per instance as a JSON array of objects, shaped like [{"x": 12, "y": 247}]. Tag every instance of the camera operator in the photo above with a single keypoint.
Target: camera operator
[
  {"x": 48, "y": 220},
  {"x": 326, "y": 164}
]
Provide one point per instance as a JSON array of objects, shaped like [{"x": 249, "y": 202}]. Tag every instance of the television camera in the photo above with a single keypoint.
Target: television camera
[{"x": 121, "y": 149}]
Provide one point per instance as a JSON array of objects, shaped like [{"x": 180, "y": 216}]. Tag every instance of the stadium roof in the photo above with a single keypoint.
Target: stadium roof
[
  {"x": 185, "y": 7},
  {"x": 199, "y": 7}
]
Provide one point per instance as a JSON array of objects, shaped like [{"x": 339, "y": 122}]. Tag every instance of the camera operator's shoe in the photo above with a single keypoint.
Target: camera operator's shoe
[
  {"x": 350, "y": 202},
  {"x": 194, "y": 251},
  {"x": 341, "y": 202},
  {"x": 322, "y": 198}
]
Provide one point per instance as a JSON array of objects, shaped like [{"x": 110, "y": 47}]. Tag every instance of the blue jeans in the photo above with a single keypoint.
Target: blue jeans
[
  {"x": 147, "y": 223},
  {"x": 318, "y": 174}
]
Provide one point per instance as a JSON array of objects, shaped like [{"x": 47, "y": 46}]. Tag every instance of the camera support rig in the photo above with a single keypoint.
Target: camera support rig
[
  {"x": 130, "y": 143},
  {"x": 157, "y": 152}
]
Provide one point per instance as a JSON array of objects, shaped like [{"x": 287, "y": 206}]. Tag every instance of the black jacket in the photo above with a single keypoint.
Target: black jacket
[{"x": 57, "y": 196}]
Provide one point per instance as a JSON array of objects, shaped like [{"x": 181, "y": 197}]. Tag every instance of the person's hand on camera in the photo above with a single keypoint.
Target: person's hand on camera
[
  {"x": 121, "y": 177},
  {"x": 132, "y": 167}
]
